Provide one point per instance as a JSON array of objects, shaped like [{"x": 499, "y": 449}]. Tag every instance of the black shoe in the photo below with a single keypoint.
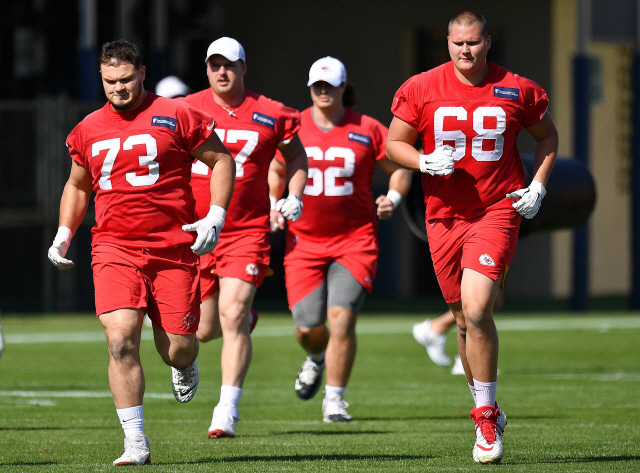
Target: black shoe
[{"x": 309, "y": 379}]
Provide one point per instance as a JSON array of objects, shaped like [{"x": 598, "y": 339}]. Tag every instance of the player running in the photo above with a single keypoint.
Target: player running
[
  {"x": 332, "y": 250},
  {"x": 253, "y": 127},
  {"x": 136, "y": 154},
  {"x": 468, "y": 113}
]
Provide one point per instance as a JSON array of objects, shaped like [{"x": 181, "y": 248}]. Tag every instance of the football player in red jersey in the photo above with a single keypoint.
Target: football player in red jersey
[
  {"x": 253, "y": 127},
  {"x": 136, "y": 154},
  {"x": 468, "y": 113},
  {"x": 332, "y": 250}
]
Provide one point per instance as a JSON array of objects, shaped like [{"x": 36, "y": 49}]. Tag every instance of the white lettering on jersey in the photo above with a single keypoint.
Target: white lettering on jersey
[
  {"x": 113, "y": 147},
  {"x": 232, "y": 136},
  {"x": 315, "y": 182}
]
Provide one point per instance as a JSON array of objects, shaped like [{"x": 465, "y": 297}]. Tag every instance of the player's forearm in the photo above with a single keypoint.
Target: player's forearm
[
  {"x": 297, "y": 172},
  {"x": 223, "y": 177},
  {"x": 544, "y": 157},
  {"x": 73, "y": 206},
  {"x": 400, "y": 181},
  {"x": 276, "y": 179},
  {"x": 403, "y": 154}
]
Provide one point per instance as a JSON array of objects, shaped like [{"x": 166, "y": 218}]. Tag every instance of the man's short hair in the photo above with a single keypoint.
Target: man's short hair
[
  {"x": 468, "y": 18},
  {"x": 120, "y": 51}
]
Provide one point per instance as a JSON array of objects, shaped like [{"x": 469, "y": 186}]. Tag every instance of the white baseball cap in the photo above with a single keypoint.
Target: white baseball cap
[
  {"x": 227, "y": 47},
  {"x": 327, "y": 69},
  {"x": 172, "y": 87}
]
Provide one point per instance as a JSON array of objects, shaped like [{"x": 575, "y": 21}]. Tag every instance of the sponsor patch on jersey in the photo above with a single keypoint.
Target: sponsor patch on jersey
[
  {"x": 166, "y": 122},
  {"x": 263, "y": 119},
  {"x": 506, "y": 92},
  {"x": 358, "y": 138}
]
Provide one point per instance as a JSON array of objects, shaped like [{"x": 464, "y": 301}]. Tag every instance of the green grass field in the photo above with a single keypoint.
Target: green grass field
[{"x": 570, "y": 386}]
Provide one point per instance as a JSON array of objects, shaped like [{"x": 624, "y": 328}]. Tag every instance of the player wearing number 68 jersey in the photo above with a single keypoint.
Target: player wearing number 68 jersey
[
  {"x": 332, "y": 251},
  {"x": 136, "y": 154},
  {"x": 468, "y": 113},
  {"x": 253, "y": 127}
]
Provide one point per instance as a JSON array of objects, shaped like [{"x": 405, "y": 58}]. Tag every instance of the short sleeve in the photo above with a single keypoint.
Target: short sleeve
[
  {"x": 536, "y": 102},
  {"x": 196, "y": 126},
  {"x": 288, "y": 124},
  {"x": 404, "y": 104},
  {"x": 74, "y": 146}
]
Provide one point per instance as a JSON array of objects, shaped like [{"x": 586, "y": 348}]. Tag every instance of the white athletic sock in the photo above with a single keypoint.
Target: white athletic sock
[
  {"x": 132, "y": 421},
  {"x": 473, "y": 392},
  {"x": 340, "y": 390},
  {"x": 485, "y": 393},
  {"x": 230, "y": 397},
  {"x": 316, "y": 357}
]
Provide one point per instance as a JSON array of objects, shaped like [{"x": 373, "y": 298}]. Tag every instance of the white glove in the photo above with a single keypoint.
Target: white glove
[
  {"x": 291, "y": 207},
  {"x": 58, "y": 250},
  {"x": 529, "y": 199},
  {"x": 208, "y": 230},
  {"x": 440, "y": 162}
]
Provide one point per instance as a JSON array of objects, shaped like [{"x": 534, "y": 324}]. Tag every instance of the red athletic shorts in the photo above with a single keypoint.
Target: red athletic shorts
[
  {"x": 240, "y": 256},
  {"x": 306, "y": 261},
  {"x": 164, "y": 280},
  {"x": 485, "y": 244}
]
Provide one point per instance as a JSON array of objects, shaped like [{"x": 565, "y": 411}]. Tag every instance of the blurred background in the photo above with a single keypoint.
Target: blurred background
[{"x": 583, "y": 52}]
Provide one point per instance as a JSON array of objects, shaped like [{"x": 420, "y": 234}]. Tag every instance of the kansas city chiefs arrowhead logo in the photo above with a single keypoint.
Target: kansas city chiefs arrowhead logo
[{"x": 486, "y": 260}]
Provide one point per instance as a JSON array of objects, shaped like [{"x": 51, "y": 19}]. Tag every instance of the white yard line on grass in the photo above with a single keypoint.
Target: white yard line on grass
[{"x": 368, "y": 327}]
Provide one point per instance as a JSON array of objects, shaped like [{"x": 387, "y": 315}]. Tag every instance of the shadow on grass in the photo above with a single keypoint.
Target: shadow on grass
[
  {"x": 594, "y": 459},
  {"x": 304, "y": 458},
  {"x": 323, "y": 432},
  {"x": 25, "y": 463},
  {"x": 70, "y": 427}
]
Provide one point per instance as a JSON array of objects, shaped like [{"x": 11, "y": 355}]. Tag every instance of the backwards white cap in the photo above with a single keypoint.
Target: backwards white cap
[
  {"x": 328, "y": 69},
  {"x": 227, "y": 47},
  {"x": 172, "y": 87}
]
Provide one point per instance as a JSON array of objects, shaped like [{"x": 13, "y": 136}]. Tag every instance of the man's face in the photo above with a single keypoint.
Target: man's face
[
  {"x": 326, "y": 96},
  {"x": 468, "y": 49},
  {"x": 225, "y": 77},
  {"x": 123, "y": 85}
]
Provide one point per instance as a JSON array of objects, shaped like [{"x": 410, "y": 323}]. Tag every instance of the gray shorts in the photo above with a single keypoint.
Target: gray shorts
[{"x": 339, "y": 289}]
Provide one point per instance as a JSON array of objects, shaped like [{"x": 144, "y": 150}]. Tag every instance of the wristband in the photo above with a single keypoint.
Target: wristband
[
  {"x": 395, "y": 197},
  {"x": 272, "y": 199},
  {"x": 64, "y": 234}
]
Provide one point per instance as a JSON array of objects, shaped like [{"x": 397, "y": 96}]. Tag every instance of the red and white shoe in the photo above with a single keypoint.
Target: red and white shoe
[
  {"x": 253, "y": 320},
  {"x": 488, "y": 446},
  {"x": 223, "y": 423}
]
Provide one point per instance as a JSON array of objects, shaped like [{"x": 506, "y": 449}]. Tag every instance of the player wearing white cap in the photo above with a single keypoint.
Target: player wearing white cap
[
  {"x": 253, "y": 127},
  {"x": 172, "y": 87},
  {"x": 330, "y": 263}
]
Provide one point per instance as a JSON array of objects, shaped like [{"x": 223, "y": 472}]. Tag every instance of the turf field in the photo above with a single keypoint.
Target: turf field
[{"x": 570, "y": 386}]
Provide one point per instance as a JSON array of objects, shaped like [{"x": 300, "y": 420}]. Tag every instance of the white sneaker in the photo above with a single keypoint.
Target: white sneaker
[
  {"x": 185, "y": 382},
  {"x": 223, "y": 423},
  {"x": 136, "y": 452},
  {"x": 309, "y": 379},
  {"x": 457, "y": 366},
  {"x": 433, "y": 342},
  {"x": 334, "y": 409},
  {"x": 488, "y": 447}
]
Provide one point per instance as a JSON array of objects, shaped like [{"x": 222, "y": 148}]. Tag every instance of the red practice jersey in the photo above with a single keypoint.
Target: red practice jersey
[
  {"x": 252, "y": 135},
  {"x": 337, "y": 198},
  {"x": 482, "y": 123},
  {"x": 141, "y": 169}
]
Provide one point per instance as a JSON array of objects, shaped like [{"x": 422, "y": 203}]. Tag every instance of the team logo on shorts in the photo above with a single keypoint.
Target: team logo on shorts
[
  {"x": 252, "y": 269},
  {"x": 486, "y": 260},
  {"x": 188, "y": 320}
]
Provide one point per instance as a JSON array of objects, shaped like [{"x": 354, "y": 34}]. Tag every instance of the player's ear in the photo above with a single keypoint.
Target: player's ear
[
  {"x": 488, "y": 41},
  {"x": 244, "y": 68},
  {"x": 143, "y": 73}
]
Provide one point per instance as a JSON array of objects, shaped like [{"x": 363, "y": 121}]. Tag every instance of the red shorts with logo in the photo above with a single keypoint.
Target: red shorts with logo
[
  {"x": 240, "y": 256},
  {"x": 306, "y": 261},
  {"x": 164, "y": 280},
  {"x": 485, "y": 244}
]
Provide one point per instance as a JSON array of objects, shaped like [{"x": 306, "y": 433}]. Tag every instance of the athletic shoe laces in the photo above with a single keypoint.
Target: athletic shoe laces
[
  {"x": 308, "y": 372},
  {"x": 488, "y": 429}
]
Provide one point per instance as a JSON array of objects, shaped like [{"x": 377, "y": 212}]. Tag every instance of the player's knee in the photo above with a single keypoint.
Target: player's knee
[
  {"x": 122, "y": 347},
  {"x": 234, "y": 318},
  {"x": 206, "y": 334},
  {"x": 477, "y": 317},
  {"x": 343, "y": 324},
  {"x": 179, "y": 358}
]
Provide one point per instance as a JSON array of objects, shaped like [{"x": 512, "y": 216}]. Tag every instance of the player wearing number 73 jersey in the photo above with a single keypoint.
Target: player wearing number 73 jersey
[
  {"x": 468, "y": 113},
  {"x": 253, "y": 127}
]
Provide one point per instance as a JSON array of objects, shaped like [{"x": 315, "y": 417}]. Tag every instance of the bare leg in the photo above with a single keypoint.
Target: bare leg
[
  {"x": 209, "y": 328},
  {"x": 341, "y": 349},
  {"x": 443, "y": 324}
]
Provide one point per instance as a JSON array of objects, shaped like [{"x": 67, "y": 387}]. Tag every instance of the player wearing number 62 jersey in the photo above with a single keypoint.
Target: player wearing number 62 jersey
[
  {"x": 468, "y": 113},
  {"x": 253, "y": 127},
  {"x": 331, "y": 253},
  {"x": 136, "y": 154}
]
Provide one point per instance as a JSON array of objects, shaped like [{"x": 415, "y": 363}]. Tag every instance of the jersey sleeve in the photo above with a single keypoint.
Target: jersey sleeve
[
  {"x": 74, "y": 146},
  {"x": 536, "y": 102},
  {"x": 379, "y": 132},
  {"x": 196, "y": 126},
  {"x": 289, "y": 123},
  {"x": 404, "y": 103}
]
